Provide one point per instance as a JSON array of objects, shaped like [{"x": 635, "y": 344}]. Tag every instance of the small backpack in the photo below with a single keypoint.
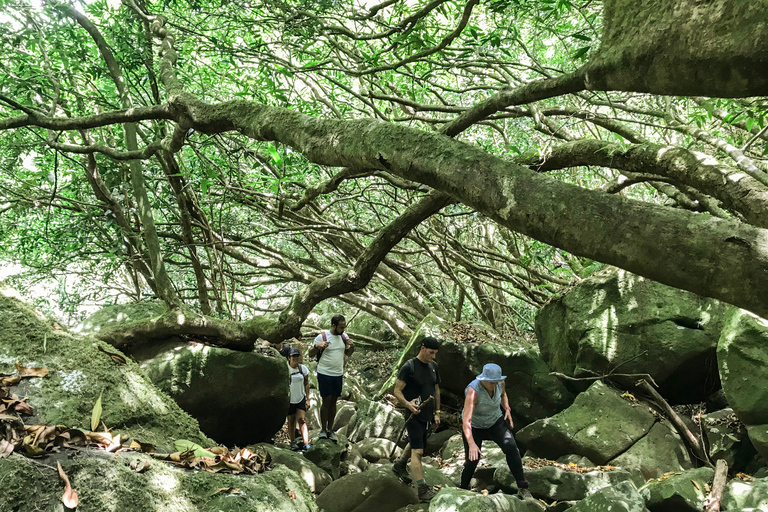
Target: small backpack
[{"x": 344, "y": 338}]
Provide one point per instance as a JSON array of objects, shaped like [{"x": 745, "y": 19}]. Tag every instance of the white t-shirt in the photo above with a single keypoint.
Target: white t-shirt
[
  {"x": 332, "y": 361},
  {"x": 297, "y": 382}
]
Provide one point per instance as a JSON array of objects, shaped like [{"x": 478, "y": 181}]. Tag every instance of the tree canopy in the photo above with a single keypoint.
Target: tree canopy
[{"x": 247, "y": 160}]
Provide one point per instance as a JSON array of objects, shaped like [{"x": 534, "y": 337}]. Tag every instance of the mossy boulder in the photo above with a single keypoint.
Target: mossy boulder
[
  {"x": 657, "y": 453},
  {"x": 622, "y": 497},
  {"x": 682, "y": 492},
  {"x": 106, "y": 482},
  {"x": 619, "y": 322},
  {"x": 599, "y": 425},
  {"x": 79, "y": 373},
  {"x": 742, "y": 355},
  {"x": 450, "y": 499}
]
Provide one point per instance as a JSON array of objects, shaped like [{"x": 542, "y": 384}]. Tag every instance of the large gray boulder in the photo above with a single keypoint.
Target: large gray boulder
[
  {"x": 742, "y": 355},
  {"x": 374, "y": 419},
  {"x": 727, "y": 439},
  {"x": 681, "y": 492},
  {"x": 659, "y": 452},
  {"x": 600, "y": 425},
  {"x": 622, "y": 497},
  {"x": 239, "y": 398},
  {"x": 533, "y": 393},
  {"x": 327, "y": 455},
  {"x": 375, "y": 490},
  {"x": 555, "y": 484},
  {"x": 80, "y": 372},
  {"x": 451, "y": 500},
  {"x": 745, "y": 496},
  {"x": 619, "y": 321}
]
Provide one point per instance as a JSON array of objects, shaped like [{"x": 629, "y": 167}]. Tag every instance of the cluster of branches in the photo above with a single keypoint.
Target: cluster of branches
[{"x": 162, "y": 147}]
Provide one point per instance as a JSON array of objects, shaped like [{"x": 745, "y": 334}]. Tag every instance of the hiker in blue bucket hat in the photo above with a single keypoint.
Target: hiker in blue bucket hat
[{"x": 487, "y": 415}]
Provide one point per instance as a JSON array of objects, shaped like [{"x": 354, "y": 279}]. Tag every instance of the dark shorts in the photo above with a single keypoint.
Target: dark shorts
[
  {"x": 329, "y": 386},
  {"x": 300, "y": 405},
  {"x": 417, "y": 433}
]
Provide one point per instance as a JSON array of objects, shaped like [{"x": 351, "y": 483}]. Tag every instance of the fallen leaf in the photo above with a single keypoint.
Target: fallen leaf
[
  {"x": 25, "y": 372},
  {"x": 70, "y": 496},
  {"x": 184, "y": 445},
  {"x": 96, "y": 413},
  {"x": 10, "y": 381},
  {"x": 142, "y": 447},
  {"x": 115, "y": 356},
  {"x": 137, "y": 466},
  {"x": 696, "y": 484},
  {"x": 6, "y": 448},
  {"x": 228, "y": 490}
]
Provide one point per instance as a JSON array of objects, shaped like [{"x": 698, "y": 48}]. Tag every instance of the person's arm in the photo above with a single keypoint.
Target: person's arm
[
  {"x": 317, "y": 345},
  {"x": 437, "y": 404},
  {"x": 505, "y": 406},
  {"x": 349, "y": 346},
  {"x": 466, "y": 423},
  {"x": 411, "y": 406},
  {"x": 306, "y": 387}
]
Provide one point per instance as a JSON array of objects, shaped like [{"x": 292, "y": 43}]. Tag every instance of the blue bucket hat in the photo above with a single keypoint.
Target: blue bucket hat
[{"x": 491, "y": 373}]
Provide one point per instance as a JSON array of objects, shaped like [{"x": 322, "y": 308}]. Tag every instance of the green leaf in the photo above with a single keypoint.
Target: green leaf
[
  {"x": 96, "y": 414},
  {"x": 581, "y": 52},
  {"x": 183, "y": 445}
]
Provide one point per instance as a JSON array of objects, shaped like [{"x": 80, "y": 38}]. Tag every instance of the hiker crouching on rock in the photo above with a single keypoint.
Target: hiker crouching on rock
[
  {"x": 417, "y": 381},
  {"x": 332, "y": 345},
  {"x": 482, "y": 419},
  {"x": 299, "y": 400}
]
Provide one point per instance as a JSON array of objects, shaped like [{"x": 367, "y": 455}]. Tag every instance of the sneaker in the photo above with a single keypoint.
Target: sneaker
[
  {"x": 426, "y": 493},
  {"x": 524, "y": 494},
  {"x": 322, "y": 435},
  {"x": 294, "y": 446},
  {"x": 305, "y": 447},
  {"x": 332, "y": 436},
  {"x": 402, "y": 473}
]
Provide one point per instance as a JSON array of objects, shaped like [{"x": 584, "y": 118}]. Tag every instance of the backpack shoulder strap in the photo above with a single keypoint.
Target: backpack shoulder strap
[{"x": 322, "y": 333}]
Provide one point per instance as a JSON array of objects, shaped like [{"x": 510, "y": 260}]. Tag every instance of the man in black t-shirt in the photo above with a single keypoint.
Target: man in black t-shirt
[{"x": 417, "y": 381}]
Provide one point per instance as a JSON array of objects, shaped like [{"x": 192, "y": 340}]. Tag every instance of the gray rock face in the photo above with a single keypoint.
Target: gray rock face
[
  {"x": 375, "y": 420},
  {"x": 727, "y": 439},
  {"x": 533, "y": 393},
  {"x": 239, "y": 398},
  {"x": 600, "y": 425},
  {"x": 451, "y": 500},
  {"x": 375, "y": 490},
  {"x": 659, "y": 452},
  {"x": 684, "y": 492},
  {"x": 746, "y": 496},
  {"x": 374, "y": 449},
  {"x": 553, "y": 483},
  {"x": 622, "y": 497},
  {"x": 742, "y": 355},
  {"x": 617, "y": 320},
  {"x": 316, "y": 478},
  {"x": 328, "y": 455}
]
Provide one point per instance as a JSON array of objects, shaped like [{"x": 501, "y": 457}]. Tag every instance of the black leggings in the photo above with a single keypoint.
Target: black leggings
[{"x": 499, "y": 433}]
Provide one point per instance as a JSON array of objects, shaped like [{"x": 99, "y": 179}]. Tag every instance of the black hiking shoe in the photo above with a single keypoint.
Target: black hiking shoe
[
  {"x": 426, "y": 493},
  {"x": 401, "y": 472},
  {"x": 523, "y": 493}
]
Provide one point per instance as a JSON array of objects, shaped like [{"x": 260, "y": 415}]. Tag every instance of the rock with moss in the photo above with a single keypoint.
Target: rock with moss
[
  {"x": 742, "y": 356},
  {"x": 622, "y": 497},
  {"x": 745, "y": 496},
  {"x": 681, "y": 492},
  {"x": 316, "y": 478},
  {"x": 239, "y": 398},
  {"x": 121, "y": 316},
  {"x": 374, "y": 419},
  {"x": 555, "y": 484},
  {"x": 619, "y": 322},
  {"x": 599, "y": 425},
  {"x": 449, "y": 500},
  {"x": 659, "y": 452},
  {"x": 81, "y": 370},
  {"x": 106, "y": 482}
]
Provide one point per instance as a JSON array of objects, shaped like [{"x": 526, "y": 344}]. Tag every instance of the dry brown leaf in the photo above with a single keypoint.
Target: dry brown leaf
[
  {"x": 70, "y": 496},
  {"x": 6, "y": 448},
  {"x": 10, "y": 381},
  {"x": 25, "y": 372},
  {"x": 115, "y": 356},
  {"x": 696, "y": 484},
  {"x": 138, "y": 466},
  {"x": 142, "y": 447},
  {"x": 228, "y": 490},
  {"x": 745, "y": 477}
]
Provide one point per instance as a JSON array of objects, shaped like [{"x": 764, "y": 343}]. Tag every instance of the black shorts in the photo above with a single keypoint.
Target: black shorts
[
  {"x": 417, "y": 433},
  {"x": 299, "y": 405},
  {"x": 329, "y": 386}
]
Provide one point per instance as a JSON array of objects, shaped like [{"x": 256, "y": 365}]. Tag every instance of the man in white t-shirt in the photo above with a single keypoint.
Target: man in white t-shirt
[{"x": 332, "y": 345}]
